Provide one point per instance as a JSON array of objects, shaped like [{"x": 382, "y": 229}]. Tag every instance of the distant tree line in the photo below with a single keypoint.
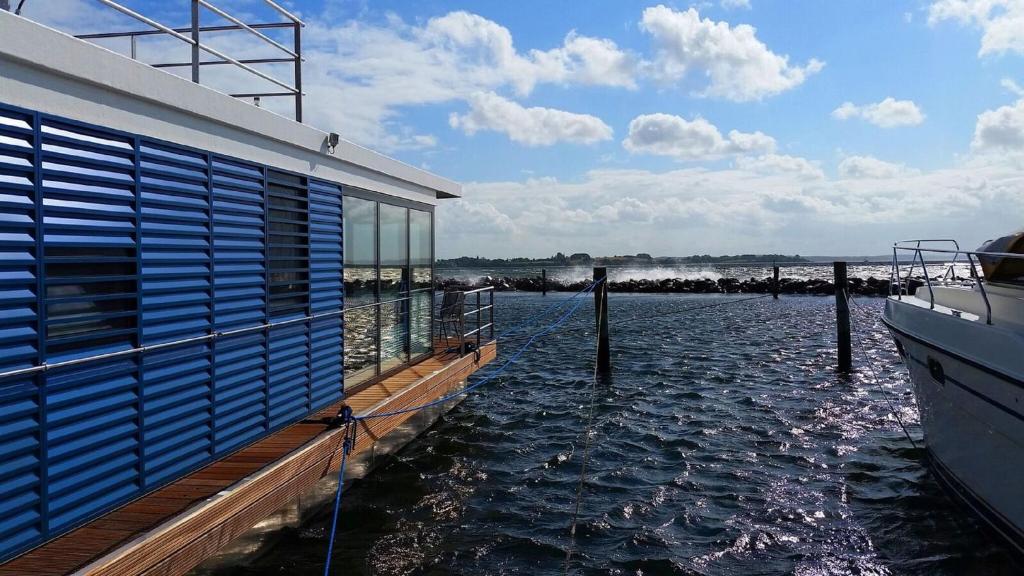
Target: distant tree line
[{"x": 583, "y": 259}]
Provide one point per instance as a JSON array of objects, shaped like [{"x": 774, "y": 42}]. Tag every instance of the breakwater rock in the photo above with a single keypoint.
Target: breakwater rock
[{"x": 858, "y": 286}]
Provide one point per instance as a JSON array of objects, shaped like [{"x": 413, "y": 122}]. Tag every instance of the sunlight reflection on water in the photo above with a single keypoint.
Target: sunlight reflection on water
[{"x": 725, "y": 444}]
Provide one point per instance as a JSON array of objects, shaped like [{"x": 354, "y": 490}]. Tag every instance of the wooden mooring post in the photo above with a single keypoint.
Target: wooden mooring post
[
  {"x": 845, "y": 352},
  {"x": 604, "y": 362},
  {"x": 543, "y": 281},
  {"x": 775, "y": 282}
]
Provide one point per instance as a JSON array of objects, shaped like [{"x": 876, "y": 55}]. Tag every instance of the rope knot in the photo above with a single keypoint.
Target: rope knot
[{"x": 343, "y": 418}]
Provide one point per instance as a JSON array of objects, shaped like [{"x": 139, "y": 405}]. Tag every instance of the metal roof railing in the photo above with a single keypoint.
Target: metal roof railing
[{"x": 191, "y": 36}]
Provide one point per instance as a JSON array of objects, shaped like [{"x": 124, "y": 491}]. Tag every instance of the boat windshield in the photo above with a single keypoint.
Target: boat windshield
[{"x": 1004, "y": 269}]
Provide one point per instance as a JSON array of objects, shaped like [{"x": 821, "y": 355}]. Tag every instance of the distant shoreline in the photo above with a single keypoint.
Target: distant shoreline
[{"x": 582, "y": 259}]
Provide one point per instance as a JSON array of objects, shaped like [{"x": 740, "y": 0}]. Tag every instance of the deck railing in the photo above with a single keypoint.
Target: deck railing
[
  {"x": 191, "y": 36},
  {"x": 899, "y": 283},
  {"x": 476, "y": 313},
  {"x": 467, "y": 318}
]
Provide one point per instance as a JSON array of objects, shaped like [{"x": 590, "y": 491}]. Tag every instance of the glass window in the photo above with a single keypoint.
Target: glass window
[
  {"x": 394, "y": 284},
  {"x": 360, "y": 275},
  {"x": 388, "y": 261},
  {"x": 421, "y": 258},
  {"x": 288, "y": 243}
]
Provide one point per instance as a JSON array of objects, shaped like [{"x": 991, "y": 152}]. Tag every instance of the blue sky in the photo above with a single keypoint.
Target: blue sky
[{"x": 720, "y": 126}]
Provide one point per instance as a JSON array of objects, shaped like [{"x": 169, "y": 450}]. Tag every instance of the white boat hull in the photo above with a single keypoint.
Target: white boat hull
[{"x": 972, "y": 409}]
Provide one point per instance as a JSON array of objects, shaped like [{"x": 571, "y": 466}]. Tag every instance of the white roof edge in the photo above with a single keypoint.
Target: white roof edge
[{"x": 40, "y": 46}]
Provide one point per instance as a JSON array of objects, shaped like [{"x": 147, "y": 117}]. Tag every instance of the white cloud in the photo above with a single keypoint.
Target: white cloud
[
  {"x": 1012, "y": 87},
  {"x": 888, "y": 113},
  {"x": 738, "y": 65},
  {"x": 845, "y": 111},
  {"x": 733, "y": 210},
  {"x": 533, "y": 126},
  {"x": 735, "y": 4},
  {"x": 1001, "y": 22},
  {"x": 856, "y": 167},
  {"x": 586, "y": 60},
  {"x": 76, "y": 16},
  {"x": 698, "y": 139},
  {"x": 1000, "y": 130},
  {"x": 775, "y": 164},
  {"x": 360, "y": 76}
]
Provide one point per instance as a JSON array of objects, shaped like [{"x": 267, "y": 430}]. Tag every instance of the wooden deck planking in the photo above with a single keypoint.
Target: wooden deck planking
[{"x": 174, "y": 528}]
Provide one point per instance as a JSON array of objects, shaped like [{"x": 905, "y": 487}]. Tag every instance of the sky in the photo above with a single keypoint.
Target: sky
[{"x": 612, "y": 127}]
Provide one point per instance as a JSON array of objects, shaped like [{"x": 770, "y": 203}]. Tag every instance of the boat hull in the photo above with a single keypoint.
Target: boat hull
[{"x": 973, "y": 420}]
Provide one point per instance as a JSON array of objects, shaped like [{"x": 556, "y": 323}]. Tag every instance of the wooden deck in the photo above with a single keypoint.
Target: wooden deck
[{"x": 171, "y": 530}]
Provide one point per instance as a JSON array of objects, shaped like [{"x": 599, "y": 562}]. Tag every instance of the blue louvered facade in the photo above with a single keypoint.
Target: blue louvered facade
[{"x": 112, "y": 241}]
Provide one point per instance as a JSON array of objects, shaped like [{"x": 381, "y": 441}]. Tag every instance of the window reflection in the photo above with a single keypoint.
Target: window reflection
[
  {"x": 421, "y": 260},
  {"x": 394, "y": 284},
  {"x": 388, "y": 260},
  {"x": 360, "y": 275}
]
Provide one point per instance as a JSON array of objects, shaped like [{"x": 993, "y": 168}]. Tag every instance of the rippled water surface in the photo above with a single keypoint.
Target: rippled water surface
[
  {"x": 724, "y": 443},
  {"x": 622, "y": 273}
]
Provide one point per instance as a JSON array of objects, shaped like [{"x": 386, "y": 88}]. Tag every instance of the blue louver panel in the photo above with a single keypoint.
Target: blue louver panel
[
  {"x": 325, "y": 245},
  {"x": 240, "y": 362},
  {"x": 288, "y": 289},
  {"x": 289, "y": 373},
  {"x": 20, "y": 474},
  {"x": 91, "y": 274},
  {"x": 177, "y": 285},
  {"x": 92, "y": 437},
  {"x": 110, "y": 242}
]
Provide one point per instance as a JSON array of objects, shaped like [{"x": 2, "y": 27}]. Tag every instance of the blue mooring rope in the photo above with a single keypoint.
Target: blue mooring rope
[
  {"x": 544, "y": 312},
  {"x": 494, "y": 374},
  {"x": 351, "y": 422},
  {"x": 347, "y": 445}
]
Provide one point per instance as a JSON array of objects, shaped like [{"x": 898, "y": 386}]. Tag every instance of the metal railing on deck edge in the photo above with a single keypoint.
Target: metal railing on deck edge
[
  {"x": 294, "y": 54},
  {"x": 47, "y": 366},
  {"x": 473, "y": 317},
  {"x": 899, "y": 284}
]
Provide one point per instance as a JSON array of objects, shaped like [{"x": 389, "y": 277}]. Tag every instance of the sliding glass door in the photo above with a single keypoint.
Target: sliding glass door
[
  {"x": 360, "y": 275},
  {"x": 421, "y": 260},
  {"x": 389, "y": 256},
  {"x": 394, "y": 286}
]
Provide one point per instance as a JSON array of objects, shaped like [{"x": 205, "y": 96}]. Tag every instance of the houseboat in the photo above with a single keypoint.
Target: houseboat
[{"x": 191, "y": 287}]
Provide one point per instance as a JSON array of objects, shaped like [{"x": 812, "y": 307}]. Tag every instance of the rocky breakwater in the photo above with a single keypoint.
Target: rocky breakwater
[{"x": 858, "y": 286}]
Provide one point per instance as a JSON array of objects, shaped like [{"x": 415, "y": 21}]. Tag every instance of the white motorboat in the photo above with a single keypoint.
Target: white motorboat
[{"x": 962, "y": 339}]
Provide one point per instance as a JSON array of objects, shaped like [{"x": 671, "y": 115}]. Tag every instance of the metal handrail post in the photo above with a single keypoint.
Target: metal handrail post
[
  {"x": 928, "y": 281},
  {"x": 981, "y": 286},
  {"x": 894, "y": 276},
  {"x": 491, "y": 319},
  {"x": 479, "y": 321},
  {"x": 298, "y": 70},
  {"x": 195, "y": 41},
  {"x": 913, "y": 264},
  {"x": 462, "y": 333}
]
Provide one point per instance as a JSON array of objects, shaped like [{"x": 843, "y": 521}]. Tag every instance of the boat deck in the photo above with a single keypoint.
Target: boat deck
[{"x": 174, "y": 528}]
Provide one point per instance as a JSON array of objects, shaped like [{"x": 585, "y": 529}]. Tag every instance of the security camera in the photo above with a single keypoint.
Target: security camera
[{"x": 332, "y": 140}]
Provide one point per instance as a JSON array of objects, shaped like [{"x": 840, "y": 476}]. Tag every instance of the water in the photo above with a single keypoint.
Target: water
[
  {"x": 800, "y": 271},
  {"x": 724, "y": 443}
]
